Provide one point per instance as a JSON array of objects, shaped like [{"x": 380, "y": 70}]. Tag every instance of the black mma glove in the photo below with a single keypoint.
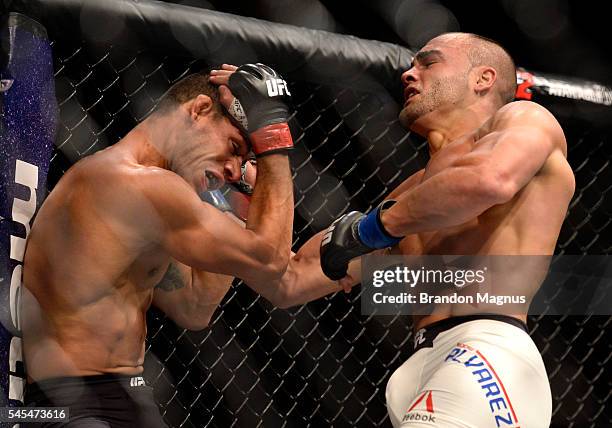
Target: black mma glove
[
  {"x": 352, "y": 235},
  {"x": 260, "y": 109}
]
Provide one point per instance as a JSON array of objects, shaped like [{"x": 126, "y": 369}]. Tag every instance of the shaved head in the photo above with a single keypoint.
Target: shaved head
[
  {"x": 482, "y": 51},
  {"x": 454, "y": 71}
]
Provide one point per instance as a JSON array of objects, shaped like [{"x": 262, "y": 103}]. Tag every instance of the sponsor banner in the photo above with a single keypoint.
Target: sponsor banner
[
  {"x": 28, "y": 121},
  {"x": 507, "y": 285},
  {"x": 561, "y": 87}
]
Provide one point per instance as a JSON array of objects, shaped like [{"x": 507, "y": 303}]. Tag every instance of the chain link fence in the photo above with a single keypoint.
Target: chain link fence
[{"x": 321, "y": 364}]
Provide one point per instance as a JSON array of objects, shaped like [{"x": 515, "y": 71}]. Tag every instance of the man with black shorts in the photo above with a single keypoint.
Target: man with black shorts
[
  {"x": 497, "y": 183},
  {"x": 124, "y": 219}
]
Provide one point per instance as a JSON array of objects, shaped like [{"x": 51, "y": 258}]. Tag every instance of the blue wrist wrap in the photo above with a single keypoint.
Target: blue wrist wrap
[{"x": 372, "y": 232}]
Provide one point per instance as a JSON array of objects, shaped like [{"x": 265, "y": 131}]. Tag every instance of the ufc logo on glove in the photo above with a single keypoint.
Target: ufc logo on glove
[{"x": 276, "y": 87}]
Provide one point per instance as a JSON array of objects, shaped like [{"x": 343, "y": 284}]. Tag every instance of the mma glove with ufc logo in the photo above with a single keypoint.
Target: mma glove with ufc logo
[
  {"x": 353, "y": 235},
  {"x": 260, "y": 109}
]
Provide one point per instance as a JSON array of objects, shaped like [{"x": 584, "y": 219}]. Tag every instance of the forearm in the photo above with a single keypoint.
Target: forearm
[
  {"x": 448, "y": 199},
  {"x": 270, "y": 215},
  {"x": 501, "y": 164},
  {"x": 244, "y": 92},
  {"x": 304, "y": 281},
  {"x": 208, "y": 289}
]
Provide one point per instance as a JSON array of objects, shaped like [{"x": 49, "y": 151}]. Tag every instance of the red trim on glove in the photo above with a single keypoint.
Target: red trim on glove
[{"x": 273, "y": 137}]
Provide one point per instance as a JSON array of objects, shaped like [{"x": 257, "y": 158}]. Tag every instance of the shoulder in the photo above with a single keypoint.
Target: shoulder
[
  {"x": 156, "y": 188},
  {"x": 133, "y": 191},
  {"x": 531, "y": 119},
  {"x": 521, "y": 113},
  {"x": 116, "y": 178},
  {"x": 524, "y": 113},
  {"x": 151, "y": 179},
  {"x": 154, "y": 201}
]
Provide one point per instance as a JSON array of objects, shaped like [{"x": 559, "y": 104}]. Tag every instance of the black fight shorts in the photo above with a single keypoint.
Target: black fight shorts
[{"x": 101, "y": 401}]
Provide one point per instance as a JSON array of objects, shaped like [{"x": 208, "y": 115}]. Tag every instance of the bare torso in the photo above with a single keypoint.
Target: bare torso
[
  {"x": 528, "y": 224},
  {"x": 88, "y": 276}
]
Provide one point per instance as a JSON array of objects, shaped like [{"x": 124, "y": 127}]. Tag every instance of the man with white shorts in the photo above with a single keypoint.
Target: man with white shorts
[{"x": 497, "y": 183}]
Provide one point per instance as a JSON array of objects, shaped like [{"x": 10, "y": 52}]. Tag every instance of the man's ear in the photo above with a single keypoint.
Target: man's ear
[
  {"x": 200, "y": 107},
  {"x": 485, "y": 79}
]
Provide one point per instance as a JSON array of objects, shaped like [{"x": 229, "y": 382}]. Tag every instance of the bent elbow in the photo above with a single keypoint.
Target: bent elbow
[
  {"x": 272, "y": 262},
  {"x": 193, "y": 323},
  {"x": 281, "y": 301},
  {"x": 270, "y": 272},
  {"x": 283, "y": 293},
  {"x": 195, "y": 326},
  {"x": 497, "y": 188},
  {"x": 504, "y": 191},
  {"x": 279, "y": 267},
  {"x": 283, "y": 305}
]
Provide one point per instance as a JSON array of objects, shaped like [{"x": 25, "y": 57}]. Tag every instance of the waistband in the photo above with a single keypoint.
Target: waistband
[
  {"x": 46, "y": 385},
  {"x": 425, "y": 336}
]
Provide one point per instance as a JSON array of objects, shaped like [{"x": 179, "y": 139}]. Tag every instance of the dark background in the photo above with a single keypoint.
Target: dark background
[
  {"x": 324, "y": 364},
  {"x": 566, "y": 37}
]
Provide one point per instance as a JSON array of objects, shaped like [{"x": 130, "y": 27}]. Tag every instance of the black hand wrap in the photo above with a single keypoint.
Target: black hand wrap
[
  {"x": 260, "y": 109},
  {"x": 341, "y": 244}
]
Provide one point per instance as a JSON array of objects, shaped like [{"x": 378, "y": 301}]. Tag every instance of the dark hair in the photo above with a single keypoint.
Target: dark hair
[{"x": 187, "y": 89}]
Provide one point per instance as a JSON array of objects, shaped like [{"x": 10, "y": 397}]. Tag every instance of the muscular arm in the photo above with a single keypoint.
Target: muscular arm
[
  {"x": 190, "y": 297},
  {"x": 304, "y": 280},
  {"x": 521, "y": 140},
  {"x": 406, "y": 185},
  {"x": 198, "y": 235}
]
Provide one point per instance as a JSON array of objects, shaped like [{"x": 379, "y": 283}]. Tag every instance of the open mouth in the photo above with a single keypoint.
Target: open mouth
[
  {"x": 409, "y": 93},
  {"x": 213, "y": 181}
]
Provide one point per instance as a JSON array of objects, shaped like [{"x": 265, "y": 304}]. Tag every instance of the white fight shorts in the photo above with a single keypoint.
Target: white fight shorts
[{"x": 475, "y": 371}]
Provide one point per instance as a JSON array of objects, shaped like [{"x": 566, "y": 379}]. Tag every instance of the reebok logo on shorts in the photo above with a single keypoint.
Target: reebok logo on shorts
[
  {"x": 416, "y": 413},
  {"x": 491, "y": 385},
  {"x": 420, "y": 417}
]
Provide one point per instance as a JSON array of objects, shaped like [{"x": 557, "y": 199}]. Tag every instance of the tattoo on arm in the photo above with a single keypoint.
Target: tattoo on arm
[{"x": 172, "y": 280}]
